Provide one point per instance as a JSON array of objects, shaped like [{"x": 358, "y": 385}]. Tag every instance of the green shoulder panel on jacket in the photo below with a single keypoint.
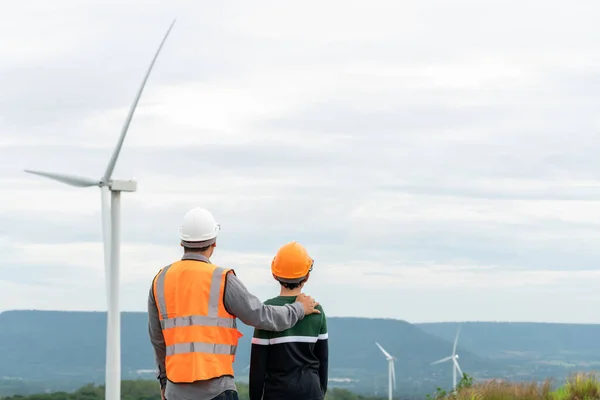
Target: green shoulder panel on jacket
[
  {"x": 311, "y": 326},
  {"x": 323, "y": 321},
  {"x": 260, "y": 334}
]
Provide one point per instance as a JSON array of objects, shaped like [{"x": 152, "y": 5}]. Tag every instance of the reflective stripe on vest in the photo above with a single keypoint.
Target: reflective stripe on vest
[
  {"x": 189, "y": 356},
  {"x": 200, "y": 347}
]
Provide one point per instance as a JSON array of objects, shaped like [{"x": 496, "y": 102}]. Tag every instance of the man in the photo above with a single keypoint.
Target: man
[{"x": 192, "y": 310}]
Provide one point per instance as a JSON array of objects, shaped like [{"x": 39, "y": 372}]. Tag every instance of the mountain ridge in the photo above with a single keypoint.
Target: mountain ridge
[
  {"x": 70, "y": 346},
  {"x": 64, "y": 349}
]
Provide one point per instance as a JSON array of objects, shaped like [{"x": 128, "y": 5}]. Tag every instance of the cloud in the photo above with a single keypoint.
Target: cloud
[
  {"x": 72, "y": 267},
  {"x": 440, "y": 155},
  {"x": 69, "y": 267}
]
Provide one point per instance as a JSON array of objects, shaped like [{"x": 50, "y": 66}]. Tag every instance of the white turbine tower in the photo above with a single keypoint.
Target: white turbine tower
[
  {"x": 111, "y": 231},
  {"x": 454, "y": 358},
  {"x": 391, "y": 371}
]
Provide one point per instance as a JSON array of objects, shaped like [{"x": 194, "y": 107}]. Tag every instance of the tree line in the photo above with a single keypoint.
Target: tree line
[{"x": 149, "y": 390}]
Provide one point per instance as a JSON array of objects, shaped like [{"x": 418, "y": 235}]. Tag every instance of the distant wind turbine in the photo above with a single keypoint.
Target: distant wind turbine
[
  {"x": 111, "y": 236},
  {"x": 454, "y": 358},
  {"x": 391, "y": 371}
]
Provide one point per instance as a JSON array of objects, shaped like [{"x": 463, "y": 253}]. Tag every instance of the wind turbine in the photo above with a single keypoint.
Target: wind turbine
[
  {"x": 454, "y": 358},
  {"x": 391, "y": 371},
  {"x": 111, "y": 216}
]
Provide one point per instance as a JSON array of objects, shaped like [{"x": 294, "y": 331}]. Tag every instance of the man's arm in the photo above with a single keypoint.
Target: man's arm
[
  {"x": 157, "y": 339},
  {"x": 322, "y": 353},
  {"x": 251, "y": 311},
  {"x": 258, "y": 364}
]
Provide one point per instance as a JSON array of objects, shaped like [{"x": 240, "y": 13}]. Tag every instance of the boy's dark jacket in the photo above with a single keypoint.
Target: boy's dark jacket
[{"x": 291, "y": 364}]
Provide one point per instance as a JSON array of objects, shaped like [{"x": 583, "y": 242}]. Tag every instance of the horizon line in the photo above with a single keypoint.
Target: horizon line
[{"x": 339, "y": 317}]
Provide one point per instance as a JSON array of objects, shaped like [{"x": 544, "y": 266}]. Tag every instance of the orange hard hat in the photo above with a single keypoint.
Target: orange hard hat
[{"x": 291, "y": 263}]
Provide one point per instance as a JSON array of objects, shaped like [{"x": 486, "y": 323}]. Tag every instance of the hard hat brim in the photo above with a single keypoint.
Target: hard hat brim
[
  {"x": 291, "y": 280},
  {"x": 198, "y": 245}
]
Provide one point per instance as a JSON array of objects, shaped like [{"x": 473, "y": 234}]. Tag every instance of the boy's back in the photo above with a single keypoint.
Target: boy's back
[{"x": 291, "y": 364}]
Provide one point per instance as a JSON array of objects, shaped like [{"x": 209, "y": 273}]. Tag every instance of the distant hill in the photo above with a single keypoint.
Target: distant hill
[
  {"x": 512, "y": 339},
  {"x": 528, "y": 350},
  {"x": 69, "y": 347}
]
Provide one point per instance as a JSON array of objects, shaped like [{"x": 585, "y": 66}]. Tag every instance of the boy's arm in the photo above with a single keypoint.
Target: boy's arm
[
  {"x": 322, "y": 352},
  {"x": 251, "y": 311},
  {"x": 258, "y": 364}
]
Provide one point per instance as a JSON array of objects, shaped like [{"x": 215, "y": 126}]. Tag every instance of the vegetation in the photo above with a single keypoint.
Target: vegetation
[
  {"x": 148, "y": 390},
  {"x": 577, "y": 387},
  {"x": 581, "y": 386}
]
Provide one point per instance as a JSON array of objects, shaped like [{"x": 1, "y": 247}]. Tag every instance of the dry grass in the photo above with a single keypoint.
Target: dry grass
[
  {"x": 495, "y": 390},
  {"x": 582, "y": 386}
]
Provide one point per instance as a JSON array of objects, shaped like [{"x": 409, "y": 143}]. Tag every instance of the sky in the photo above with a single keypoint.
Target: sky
[{"x": 439, "y": 160}]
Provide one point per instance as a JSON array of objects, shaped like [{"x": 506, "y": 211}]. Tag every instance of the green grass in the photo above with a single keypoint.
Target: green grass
[{"x": 581, "y": 386}]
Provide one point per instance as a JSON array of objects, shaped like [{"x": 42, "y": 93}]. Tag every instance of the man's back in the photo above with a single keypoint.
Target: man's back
[{"x": 291, "y": 364}]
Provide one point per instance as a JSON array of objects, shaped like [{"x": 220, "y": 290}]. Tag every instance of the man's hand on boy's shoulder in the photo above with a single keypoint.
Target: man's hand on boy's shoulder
[{"x": 308, "y": 303}]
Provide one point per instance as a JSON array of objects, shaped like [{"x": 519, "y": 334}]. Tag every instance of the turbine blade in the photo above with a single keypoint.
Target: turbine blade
[
  {"x": 388, "y": 356},
  {"x": 458, "y": 367},
  {"x": 393, "y": 374},
  {"x": 442, "y": 360},
  {"x": 455, "y": 341},
  {"x": 113, "y": 159},
  {"x": 71, "y": 180}
]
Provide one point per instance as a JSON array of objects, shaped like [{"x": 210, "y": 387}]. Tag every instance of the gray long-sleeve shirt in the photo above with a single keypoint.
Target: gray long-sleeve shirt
[{"x": 240, "y": 303}]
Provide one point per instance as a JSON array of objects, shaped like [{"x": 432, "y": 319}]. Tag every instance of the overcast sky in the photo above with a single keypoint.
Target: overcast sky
[{"x": 439, "y": 160}]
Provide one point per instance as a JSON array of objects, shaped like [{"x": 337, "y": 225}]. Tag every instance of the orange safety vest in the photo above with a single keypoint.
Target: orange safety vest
[{"x": 201, "y": 337}]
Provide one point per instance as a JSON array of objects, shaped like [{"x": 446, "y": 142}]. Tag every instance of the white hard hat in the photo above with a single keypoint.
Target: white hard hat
[{"x": 199, "y": 228}]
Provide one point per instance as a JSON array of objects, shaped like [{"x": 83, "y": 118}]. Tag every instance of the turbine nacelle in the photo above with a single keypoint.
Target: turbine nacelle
[{"x": 123, "y": 186}]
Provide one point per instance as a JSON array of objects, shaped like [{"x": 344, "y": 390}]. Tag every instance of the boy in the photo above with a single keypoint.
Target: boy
[{"x": 290, "y": 365}]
